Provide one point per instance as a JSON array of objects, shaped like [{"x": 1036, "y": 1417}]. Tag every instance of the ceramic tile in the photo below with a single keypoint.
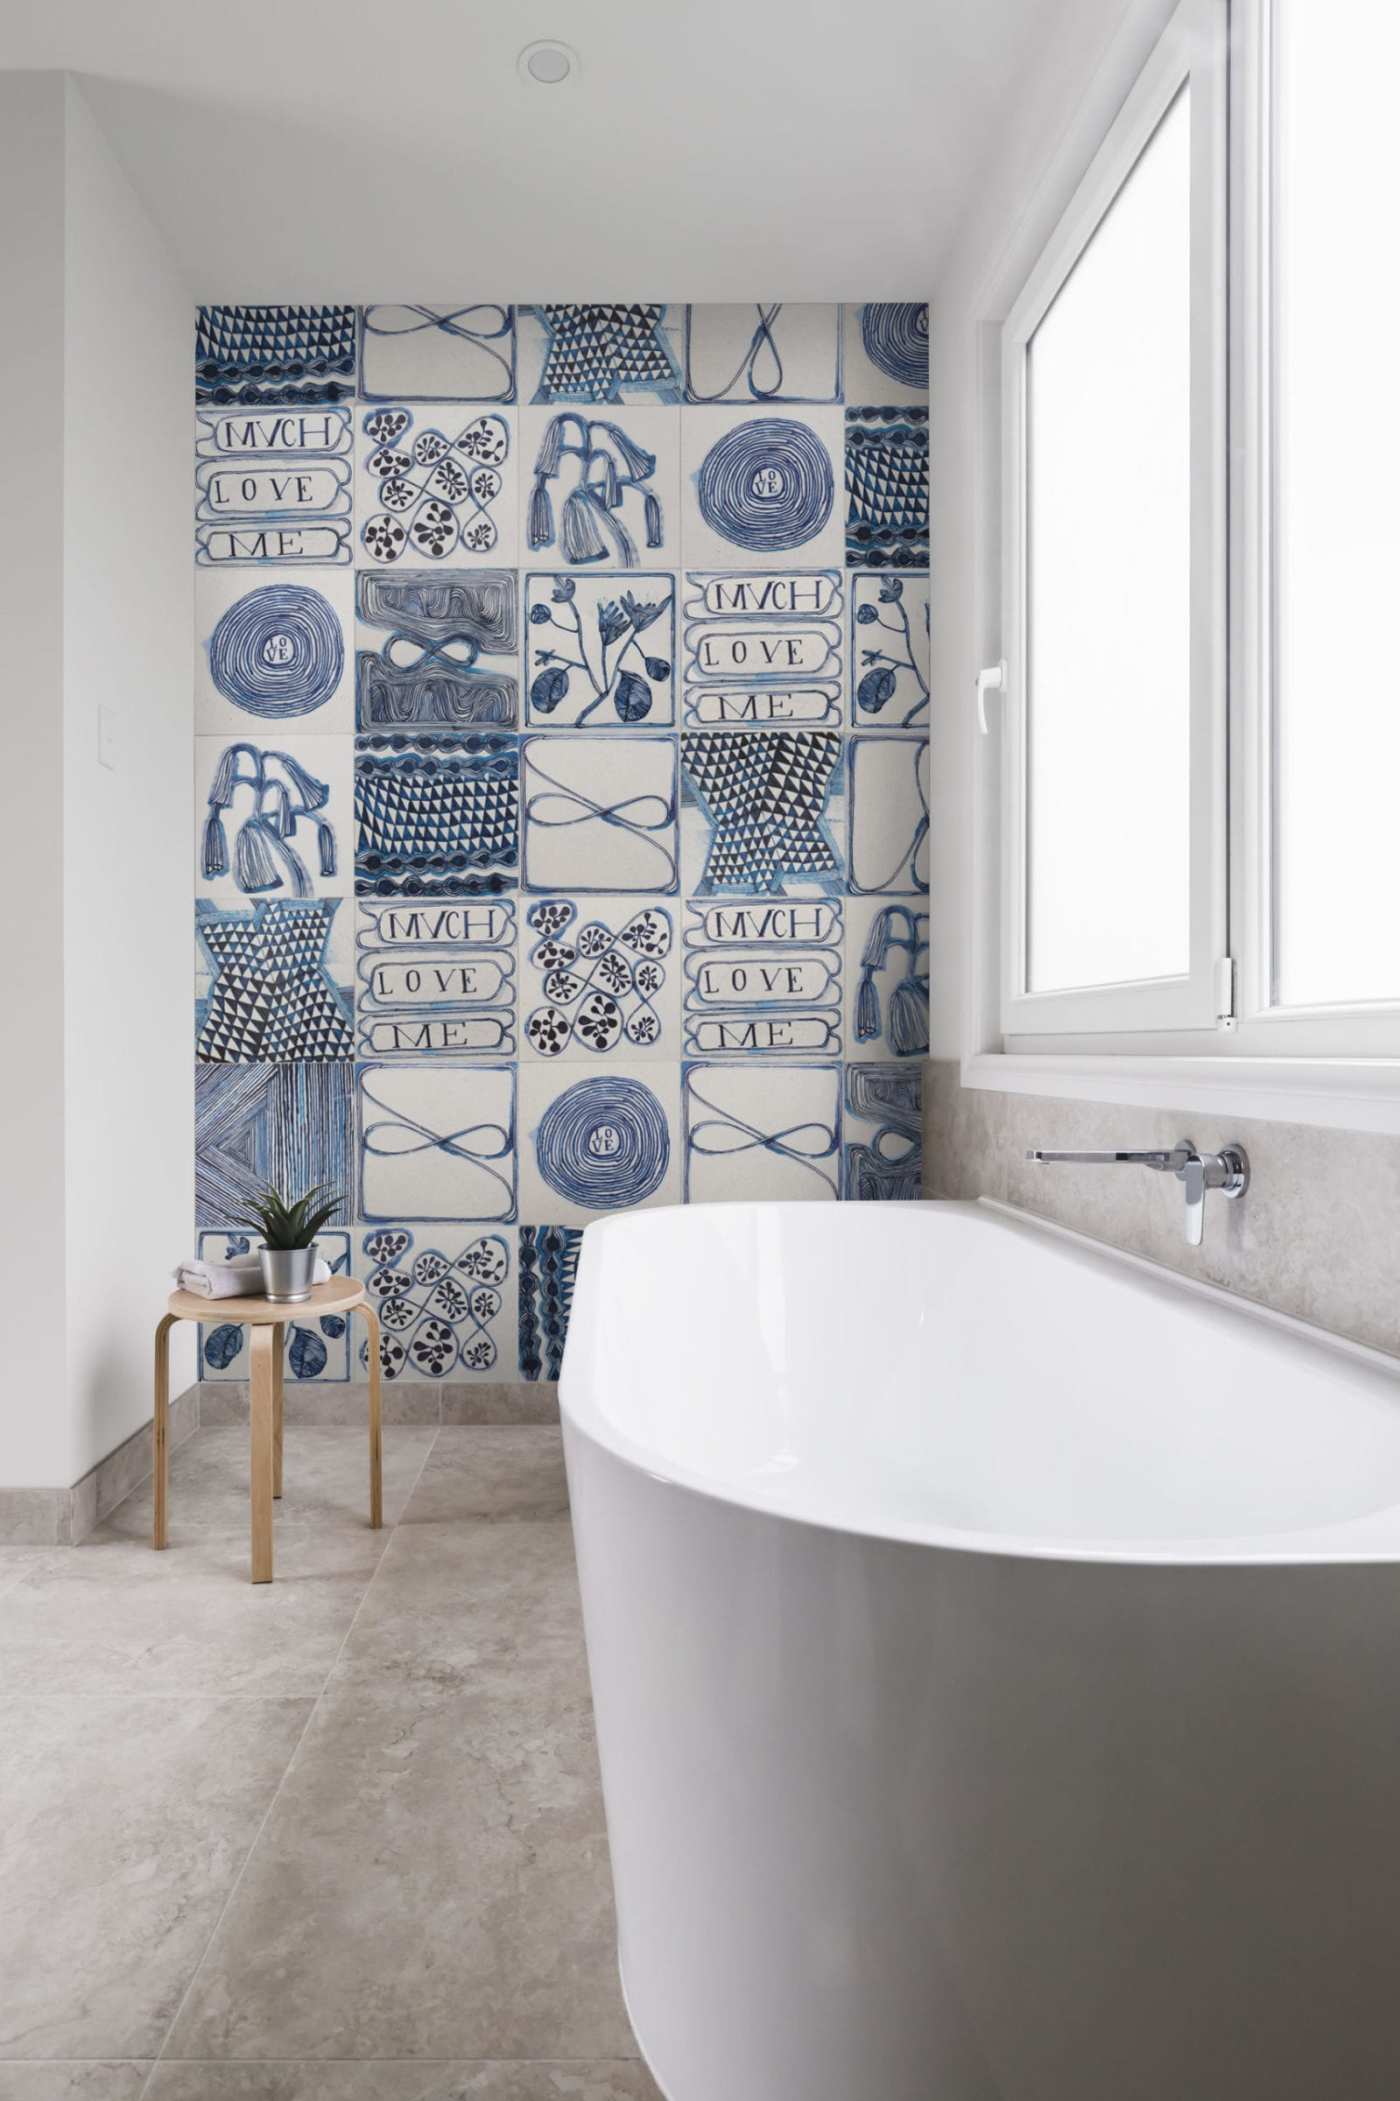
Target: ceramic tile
[
  {"x": 325, "y": 1484},
  {"x": 436, "y": 815},
  {"x": 316, "y": 1346},
  {"x": 599, "y": 979},
  {"x": 887, "y": 978},
  {"x": 886, "y": 352},
  {"x": 126, "y": 1824},
  {"x": 763, "y": 977},
  {"x": 634, "y": 649},
  {"x": 882, "y": 1133},
  {"x": 548, "y": 1267},
  {"x": 887, "y": 487},
  {"x": 888, "y": 816},
  {"x": 497, "y": 1471},
  {"x": 758, "y": 1133},
  {"x": 274, "y": 488},
  {"x": 437, "y": 482},
  {"x": 272, "y": 815},
  {"x": 600, "y": 649},
  {"x": 445, "y": 1297},
  {"x": 490, "y": 1931},
  {"x": 761, "y": 487},
  {"x": 35, "y": 1517},
  {"x": 444, "y": 350},
  {"x": 18, "y": 1561},
  {"x": 409, "y": 2079},
  {"x": 763, "y": 648},
  {"x": 272, "y": 650},
  {"x": 604, "y": 1141},
  {"x": 762, "y": 352},
  {"x": 114, "y": 1617},
  {"x": 254, "y": 1124},
  {"x": 600, "y": 485},
  {"x": 474, "y": 1610},
  {"x": 1325, "y": 1189},
  {"x": 436, "y": 1142},
  {"x": 763, "y": 811},
  {"x": 125, "y": 1471},
  {"x": 317, "y": 1405},
  {"x": 600, "y": 814},
  {"x": 889, "y": 651},
  {"x": 93, "y": 2079},
  {"x": 436, "y": 978},
  {"x": 272, "y": 980},
  {"x": 437, "y": 649},
  {"x": 615, "y": 353},
  {"x": 532, "y": 1400},
  {"x": 262, "y": 355}
]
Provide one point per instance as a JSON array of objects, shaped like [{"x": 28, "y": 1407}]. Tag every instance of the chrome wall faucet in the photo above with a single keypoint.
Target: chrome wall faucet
[{"x": 1227, "y": 1171}]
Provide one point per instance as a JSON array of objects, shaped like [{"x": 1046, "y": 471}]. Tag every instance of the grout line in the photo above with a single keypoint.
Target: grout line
[
  {"x": 237, "y": 1883},
  {"x": 611, "y": 2058}
]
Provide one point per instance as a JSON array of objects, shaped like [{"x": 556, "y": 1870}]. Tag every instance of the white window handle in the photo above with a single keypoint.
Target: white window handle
[{"x": 990, "y": 679}]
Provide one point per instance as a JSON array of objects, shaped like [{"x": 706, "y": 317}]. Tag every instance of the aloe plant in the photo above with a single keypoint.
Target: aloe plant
[{"x": 286, "y": 1225}]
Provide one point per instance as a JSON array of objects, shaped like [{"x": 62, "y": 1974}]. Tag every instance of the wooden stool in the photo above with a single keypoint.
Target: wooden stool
[{"x": 265, "y": 1322}]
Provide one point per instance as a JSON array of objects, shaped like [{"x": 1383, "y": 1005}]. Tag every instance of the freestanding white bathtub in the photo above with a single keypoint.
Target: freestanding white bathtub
[{"x": 996, "y": 1649}]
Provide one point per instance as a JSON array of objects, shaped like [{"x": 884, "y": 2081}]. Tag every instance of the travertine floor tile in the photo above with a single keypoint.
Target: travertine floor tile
[
  {"x": 326, "y": 1404},
  {"x": 491, "y": 1471},
  {"x": 125, "y": 1824},
  {"x": 478, "y": 1401},
  {"x": 432, "y": 1881},
  {"x": 93, "y": 2079},
  {"x": 18, "y": 1562},
  {"x": 617, "y": 2079},
  {"x": 111, "y": 1616},
  {"x": 325, "y": 1482},
  {"x": 472, "y": 1607}
]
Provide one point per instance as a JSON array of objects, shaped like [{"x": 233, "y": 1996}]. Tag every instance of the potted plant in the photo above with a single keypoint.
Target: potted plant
[{"x": 289, "y": 1234}]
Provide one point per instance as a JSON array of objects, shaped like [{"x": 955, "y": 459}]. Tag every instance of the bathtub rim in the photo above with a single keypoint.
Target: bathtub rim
[{"x": 1370, "y": 1538}]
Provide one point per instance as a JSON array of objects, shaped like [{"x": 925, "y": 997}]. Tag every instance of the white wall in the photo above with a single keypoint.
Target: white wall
[
  {"x": 95, "y": 1115},
  {"x": 33, "y": 1440},
  {"x": 128, "y": 961}
]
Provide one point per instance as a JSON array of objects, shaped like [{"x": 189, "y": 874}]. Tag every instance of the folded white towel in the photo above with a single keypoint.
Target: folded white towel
[{"x": 239, "y": 1278}]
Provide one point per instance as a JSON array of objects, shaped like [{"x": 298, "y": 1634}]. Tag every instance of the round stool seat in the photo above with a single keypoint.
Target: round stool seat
[{"x": 339, "y": 1295}]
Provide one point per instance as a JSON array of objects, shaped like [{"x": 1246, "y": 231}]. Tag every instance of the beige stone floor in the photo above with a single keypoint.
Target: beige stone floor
[{"x": 336, "y": 1838}]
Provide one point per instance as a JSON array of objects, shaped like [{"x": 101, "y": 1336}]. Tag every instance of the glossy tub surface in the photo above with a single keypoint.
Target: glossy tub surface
[{"x": 996, "y": 1653}]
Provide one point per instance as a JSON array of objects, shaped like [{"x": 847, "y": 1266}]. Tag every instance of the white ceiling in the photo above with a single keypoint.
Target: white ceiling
[{"x": 807, "y": 149}]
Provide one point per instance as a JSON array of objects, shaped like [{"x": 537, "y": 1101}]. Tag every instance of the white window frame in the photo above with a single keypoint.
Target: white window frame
[
  {"x": 1235, "y": 1051},
  {"x": 1191, "y": 53}
]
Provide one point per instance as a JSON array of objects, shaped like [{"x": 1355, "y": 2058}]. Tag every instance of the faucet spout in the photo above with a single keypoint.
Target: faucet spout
[
  {"x": 1227, "y": 1171},
  {"x": 1165, "y": 1160}
]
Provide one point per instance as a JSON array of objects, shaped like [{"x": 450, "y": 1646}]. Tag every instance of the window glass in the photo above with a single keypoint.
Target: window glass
[{"x": 1109, "y": 592}]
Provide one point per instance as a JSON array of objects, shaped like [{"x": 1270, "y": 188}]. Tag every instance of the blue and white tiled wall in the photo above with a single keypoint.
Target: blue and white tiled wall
[{"x": 561, "y": 785}]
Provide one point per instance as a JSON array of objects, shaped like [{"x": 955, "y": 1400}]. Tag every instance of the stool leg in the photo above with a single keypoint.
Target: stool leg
[
  {"x": 279, "y": 1335},
  {"x": 261, "y": 1453},
  {"x": 376, "y": 1430},
  {"x": 160, "y": 1435}
]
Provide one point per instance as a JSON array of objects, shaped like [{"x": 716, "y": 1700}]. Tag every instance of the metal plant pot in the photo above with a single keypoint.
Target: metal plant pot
[{"x": 287, "y": 1273}]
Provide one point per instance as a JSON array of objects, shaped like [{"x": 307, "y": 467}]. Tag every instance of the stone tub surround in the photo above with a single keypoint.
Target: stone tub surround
[
  {"x": 338, "y": 1840},
  {"x": 1314, "y": 1236},
  {"x": 60, "y": 1517}
]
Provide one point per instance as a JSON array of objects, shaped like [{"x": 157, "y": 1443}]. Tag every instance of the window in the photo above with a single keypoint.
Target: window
[
  {"x": 1113, "y": 375},
  {"x": 1108, "y": 591},
  {"x": 1336, "y": 513},
  {"x": 1199, "y": 525}
]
